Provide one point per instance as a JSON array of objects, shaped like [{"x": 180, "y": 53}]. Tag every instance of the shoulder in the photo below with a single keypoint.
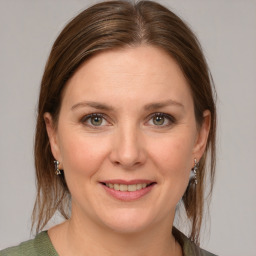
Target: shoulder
[
  {"x": 40, "y": 245},
  {"x": 188, "y": 247}
]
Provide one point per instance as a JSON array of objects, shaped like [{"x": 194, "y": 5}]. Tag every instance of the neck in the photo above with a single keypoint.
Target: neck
[{"x": 80, "y": 237}]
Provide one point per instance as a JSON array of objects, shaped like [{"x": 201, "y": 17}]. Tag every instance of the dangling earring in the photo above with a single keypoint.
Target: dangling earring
[
  {"x": 56, "y": 166},
  {"x": 194, "y": 170}
]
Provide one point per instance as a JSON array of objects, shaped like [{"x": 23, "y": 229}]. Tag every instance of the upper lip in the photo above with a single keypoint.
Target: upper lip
[{"x": 127, "y": 182}]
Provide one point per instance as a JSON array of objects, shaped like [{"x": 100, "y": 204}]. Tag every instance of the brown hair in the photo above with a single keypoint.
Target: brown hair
[{"x": 110, "y": 25}]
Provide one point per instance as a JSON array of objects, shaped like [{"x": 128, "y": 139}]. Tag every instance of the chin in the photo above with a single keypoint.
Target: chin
[{"x": 128, "y": 221}]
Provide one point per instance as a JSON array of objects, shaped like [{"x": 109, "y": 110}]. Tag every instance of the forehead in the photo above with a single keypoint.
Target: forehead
[{"x": 143, "y": 73}]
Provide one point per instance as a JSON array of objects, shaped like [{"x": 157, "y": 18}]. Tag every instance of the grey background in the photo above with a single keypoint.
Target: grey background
[{"x": 227, "y": 31}]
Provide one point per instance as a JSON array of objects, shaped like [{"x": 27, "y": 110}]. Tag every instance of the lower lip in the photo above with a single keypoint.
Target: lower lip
[{"x": 128, "y": 195}]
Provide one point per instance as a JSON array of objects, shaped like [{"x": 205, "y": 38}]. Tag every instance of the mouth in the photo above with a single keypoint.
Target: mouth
[
  {"x": 128, "y": 190},
  {"x": 128, "y": 187}
]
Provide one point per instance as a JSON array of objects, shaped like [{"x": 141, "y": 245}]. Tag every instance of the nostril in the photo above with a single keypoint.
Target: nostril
[
  {"x": 126, "y": 164},
  {"x": 116, "y": 163}
]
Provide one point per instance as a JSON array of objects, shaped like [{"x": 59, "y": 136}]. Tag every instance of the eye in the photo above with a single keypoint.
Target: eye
[
  {"x": 94, "y": 120},
  {"x": 161, "y": 119}
]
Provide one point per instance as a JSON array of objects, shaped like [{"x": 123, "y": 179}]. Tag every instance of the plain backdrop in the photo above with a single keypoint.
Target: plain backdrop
[{"x": 227, "y": 32}]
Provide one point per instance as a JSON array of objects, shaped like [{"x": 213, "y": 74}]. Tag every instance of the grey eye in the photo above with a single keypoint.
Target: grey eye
[
  {"x": 158, "y": 120},
  {"x": 161, "y": 120},
  {"x": 96, "y": 120}
]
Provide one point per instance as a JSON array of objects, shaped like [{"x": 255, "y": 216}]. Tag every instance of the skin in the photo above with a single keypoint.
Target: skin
[{"x": 128, "y": 144}]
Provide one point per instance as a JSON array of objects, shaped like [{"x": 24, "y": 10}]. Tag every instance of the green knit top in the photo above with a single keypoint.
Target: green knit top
[{"x": 41, "y": 246}]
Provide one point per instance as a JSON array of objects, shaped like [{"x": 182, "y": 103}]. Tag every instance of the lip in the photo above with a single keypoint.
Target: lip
[
  {"x": 128, "y": 195},
  {"x": 128, "y": 182}
]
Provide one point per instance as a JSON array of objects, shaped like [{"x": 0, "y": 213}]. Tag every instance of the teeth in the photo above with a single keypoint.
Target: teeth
[
  {"x": 132, "y": 187},
  {"x": 139, "y": 186},
  {"x": 123, "y": 187},
  {"x": 116, "y": 186}
]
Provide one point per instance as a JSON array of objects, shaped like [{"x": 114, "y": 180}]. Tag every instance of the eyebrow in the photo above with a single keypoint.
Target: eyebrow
[
  {"x": 157, "y": 105},
  {"x": 92, "y": 104},
  {"x": 150, "y": 106}
]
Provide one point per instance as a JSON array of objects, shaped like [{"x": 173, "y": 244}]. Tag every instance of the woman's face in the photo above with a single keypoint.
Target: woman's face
[{"x": 127, "y": 121}]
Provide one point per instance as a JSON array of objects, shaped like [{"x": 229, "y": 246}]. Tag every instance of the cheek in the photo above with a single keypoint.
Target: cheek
[
  {"x": 174, "y": 156},
  {"x": 82, "y": 155}
]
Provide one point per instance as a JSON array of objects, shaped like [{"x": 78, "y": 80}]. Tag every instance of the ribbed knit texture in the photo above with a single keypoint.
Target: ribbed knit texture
[{"x": 39, "y": 246}]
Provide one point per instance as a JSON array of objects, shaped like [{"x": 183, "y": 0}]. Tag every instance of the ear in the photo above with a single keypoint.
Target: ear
[
  {"x": 202, "y": 136},
  {"x": 52, "y": 135}
]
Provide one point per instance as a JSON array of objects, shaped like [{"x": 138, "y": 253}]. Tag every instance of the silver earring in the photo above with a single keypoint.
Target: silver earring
[
  {"x": 56, "y": 166},
  {"x": 194, "y": 170}
]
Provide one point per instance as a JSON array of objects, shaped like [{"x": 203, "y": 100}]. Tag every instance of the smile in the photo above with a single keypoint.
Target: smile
[
  {"x": 124, "y": 187},
  {"x": 128, "y": 190}
]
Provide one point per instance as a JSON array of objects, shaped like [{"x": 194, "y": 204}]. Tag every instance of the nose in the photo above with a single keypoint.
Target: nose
[{"x": 128, "y": 149}]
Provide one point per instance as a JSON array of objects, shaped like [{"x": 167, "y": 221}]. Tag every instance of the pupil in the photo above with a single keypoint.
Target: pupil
[
  {"x": 158, "y": 120},
  {"x": 96, "y": 121}
]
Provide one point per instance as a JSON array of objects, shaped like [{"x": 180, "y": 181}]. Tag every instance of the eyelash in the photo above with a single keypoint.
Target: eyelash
[
  {"x": 90, "y": 116},
  {"x": 171, "y": 120}
]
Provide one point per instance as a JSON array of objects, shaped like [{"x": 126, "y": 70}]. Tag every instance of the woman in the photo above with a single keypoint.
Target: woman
[{"x": 126, "y": 121}]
